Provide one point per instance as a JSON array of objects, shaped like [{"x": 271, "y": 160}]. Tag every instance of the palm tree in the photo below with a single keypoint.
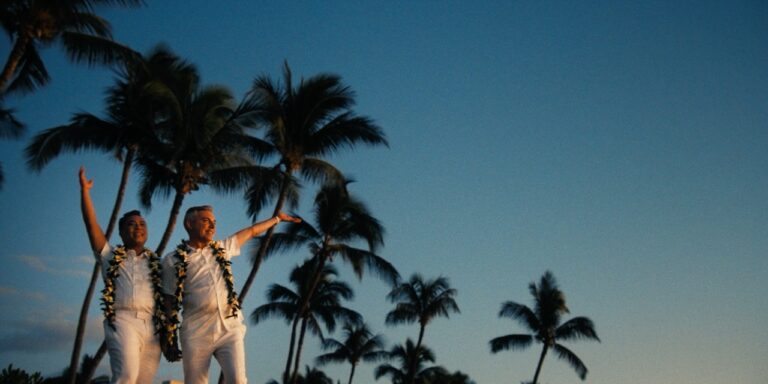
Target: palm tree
[
  {"x": 341, "y": 219},
  {"x": 359, "y": 344},
  {"x": 457, "y": 377},
  {"x": 324, "y": 307},
  {"x": 35, "y": 24},
  {"x": 311, "y": 376},
  {"x": 134, "y": 104},
  {"x": 201, "y": 143},
  {"x": 421, "y": 301},
  {"x": 544, "y": 322},
  {"x": 303, "y": 124},
  {"x": 10, "y": 128},
  {"x": 411, "y": 368}
]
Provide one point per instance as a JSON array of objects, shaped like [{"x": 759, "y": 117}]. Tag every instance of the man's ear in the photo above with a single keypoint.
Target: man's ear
[{"x": 186, "y": 225}]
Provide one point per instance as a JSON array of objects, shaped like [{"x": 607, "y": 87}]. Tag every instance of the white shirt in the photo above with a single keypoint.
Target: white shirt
[
  {"x": 205, "y": 303},
  {"x": 133, "y": 286}
]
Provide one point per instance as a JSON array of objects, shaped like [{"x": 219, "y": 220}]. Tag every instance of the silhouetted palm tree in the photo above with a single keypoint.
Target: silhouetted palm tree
[
  {"x": 544, "y": 320},
  {"x": 411, "y": 360},
  {"x": 11, "y": 375},
  {"x": 10, "y": 128},
  {"x": 421, "y": 301},
  {"x": 202, "y": 143},
  {"x": 35, "y": 24},
  {"x": 311, "y": 376},
  {"x": 303, "y": 124},
  {"x": 450, "y": 378},
  {"x": 359, "y": 344},
  {"x": 133, "y": 105},
  {"x": 341, "y": 219},
  {"x": 325, "y": 307}
]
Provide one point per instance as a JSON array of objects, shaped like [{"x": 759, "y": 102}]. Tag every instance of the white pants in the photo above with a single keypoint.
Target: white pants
[
  {"x": 134, "y": 350},
  {"x": 227, "y": 346}
]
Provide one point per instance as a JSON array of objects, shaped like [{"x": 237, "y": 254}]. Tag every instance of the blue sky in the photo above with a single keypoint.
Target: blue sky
[{"x": 621, "y": 145}]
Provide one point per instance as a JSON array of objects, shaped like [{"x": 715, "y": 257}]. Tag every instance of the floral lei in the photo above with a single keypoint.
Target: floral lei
[
  {"x": 181, "y": 274},
  {"x": 113, "y": 271}
]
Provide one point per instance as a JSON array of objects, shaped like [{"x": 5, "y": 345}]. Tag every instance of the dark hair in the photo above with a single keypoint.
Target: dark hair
[{"x": 121, "y": 222}]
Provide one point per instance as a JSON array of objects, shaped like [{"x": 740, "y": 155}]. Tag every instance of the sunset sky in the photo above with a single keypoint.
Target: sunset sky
[{"x": 621, "y": 145}]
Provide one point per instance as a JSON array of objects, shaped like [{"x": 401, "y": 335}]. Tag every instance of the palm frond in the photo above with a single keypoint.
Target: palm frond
[
  {"x": 83, "y": 133},
  {"x": 504, "y": 343},
  {"x": 30, "y": 74},
  {"x": 345, "y": 130},
  {"x": 280, "y": 310},
  {"x": 10, "y": 127},
  {"x": 573, "y": 360},
  {"x": 155, "y": 180},
  {"x": 521, "y": 313},
  {"x": 577, "y": 328},
  {"x": 361, "y": 260},
  {"x": 319, "y": 171},
  {"x": 88, "y": 24},
  {"x": 94, "y": 49}
]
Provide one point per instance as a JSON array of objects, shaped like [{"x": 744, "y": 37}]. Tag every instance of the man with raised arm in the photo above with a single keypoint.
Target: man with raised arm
[
  {"x": 131, "y": 299},
  {"x": 197, "y": 277}
]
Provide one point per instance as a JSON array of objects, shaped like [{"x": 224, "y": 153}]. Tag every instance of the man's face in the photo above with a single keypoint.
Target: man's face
[
  {"x": 202, "y": 226},
  {"x": 134, "y": 231}
]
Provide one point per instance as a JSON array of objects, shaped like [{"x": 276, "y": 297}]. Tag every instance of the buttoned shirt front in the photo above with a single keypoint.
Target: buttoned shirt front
[
  {"x": 133, "y": 285},
  {"x": 205, "y": 301}
]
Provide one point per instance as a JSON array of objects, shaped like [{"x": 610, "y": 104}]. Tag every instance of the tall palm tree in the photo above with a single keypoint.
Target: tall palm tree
[
  {"x": 421, "y": 301},
  {"x": 134, "y": 104},
  {"x": 35, "y": 24},
  {"x": 202, "y": 143},
  {"x": 10, "y": 128},
  {"x": 411, "y": 360},
  {"x": 359, "y": 344},
  {"x": 341, "y": 220},
  {"x": 303, "y": 124},
  {"x": 324, "y": 307},
  {"x": 544, "y": 321}
]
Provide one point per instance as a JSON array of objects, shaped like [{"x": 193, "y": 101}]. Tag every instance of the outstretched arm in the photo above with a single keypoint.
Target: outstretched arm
[
  {"x": 247, "y": 233},
  {"x": 95, "y": 234}
]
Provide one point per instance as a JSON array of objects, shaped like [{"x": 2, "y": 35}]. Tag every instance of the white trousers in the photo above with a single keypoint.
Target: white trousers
[
  {"x": 134, "y": 350},
  {"x": 227, "y": 346}
]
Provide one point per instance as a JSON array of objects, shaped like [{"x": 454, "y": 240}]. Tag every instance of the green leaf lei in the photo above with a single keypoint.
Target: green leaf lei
[
  {"x": 172, "y": 325},
  {"x": 113, "y": 271}
]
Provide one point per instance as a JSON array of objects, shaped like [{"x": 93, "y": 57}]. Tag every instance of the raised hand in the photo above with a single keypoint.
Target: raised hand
[
  {"x": 84, "y": 182},
  {"x": 284, "y": 217}
]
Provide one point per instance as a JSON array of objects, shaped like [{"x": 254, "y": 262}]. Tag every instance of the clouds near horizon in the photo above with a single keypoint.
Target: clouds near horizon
[
  {"x": 44, "y": 265},
  {"x": 45, "y": 333}
]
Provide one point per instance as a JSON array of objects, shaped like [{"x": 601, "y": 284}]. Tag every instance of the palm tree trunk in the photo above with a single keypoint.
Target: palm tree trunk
[
  {"x": 541, "y": 361},
  {"x": 262, "y": 251},
  {"x": 171, "y": 222},
  {"x": 127, "y": 163},
  {"x": 14, "y": 58},
  {"x": 298, "y": 350},
  {"x": 323, "y": 258},
  {"x": 79, "y": 333},
  {"x": 422, "y": 327},
  {"x": 287, "y": 372},
  {"x": 352, "y": 373},
  {"x": 91, "y": 369}
]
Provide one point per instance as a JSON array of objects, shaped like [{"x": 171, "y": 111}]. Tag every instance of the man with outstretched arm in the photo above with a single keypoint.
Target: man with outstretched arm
[
  {"x": 197, "y": 276},
  {"x": 131, "y": 299}
]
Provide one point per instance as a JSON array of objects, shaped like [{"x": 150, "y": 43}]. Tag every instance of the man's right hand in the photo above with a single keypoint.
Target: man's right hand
[{"x": 84, "y": 182}]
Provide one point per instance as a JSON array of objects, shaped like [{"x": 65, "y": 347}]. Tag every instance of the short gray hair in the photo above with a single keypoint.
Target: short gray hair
[{"x": 192, "y": 211}]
